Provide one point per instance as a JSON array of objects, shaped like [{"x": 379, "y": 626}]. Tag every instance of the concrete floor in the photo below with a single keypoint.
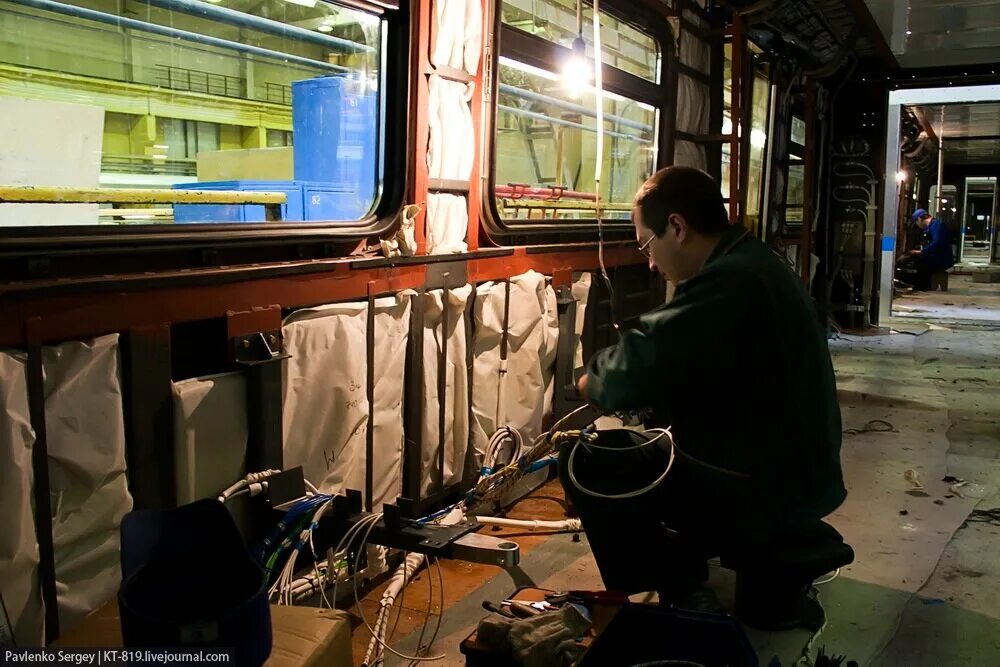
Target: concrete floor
[{"x": 925, "y": 587}]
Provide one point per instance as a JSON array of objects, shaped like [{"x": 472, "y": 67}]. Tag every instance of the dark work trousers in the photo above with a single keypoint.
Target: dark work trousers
[{"x": 663, "y": 539}]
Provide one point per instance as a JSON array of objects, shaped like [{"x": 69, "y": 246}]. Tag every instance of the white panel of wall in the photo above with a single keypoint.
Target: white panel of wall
[
  {"x": 18, "y": 546},
  {"x": 326, "y": 404},
  {"x": 210, "y": 434},
  {"x": 450, "y": 152},
  {"x": 447, "y": 223},
  {"x": 392, "y": 329},
  {"x": 521, "y": 396},
  {"x": 85, "y": 428},
  {"x": 457, "y": 34},
  {"x": 581, "y": 292},
  {"x": 325, "y": 407},
  {"x": 455, "y": 438},
  {"x": 53, "y": 144}
]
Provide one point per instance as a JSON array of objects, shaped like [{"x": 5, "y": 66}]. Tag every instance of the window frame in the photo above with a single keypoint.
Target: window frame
[
  {"x": 511, "y": 42},
  {"x": 393, "y": 159}
]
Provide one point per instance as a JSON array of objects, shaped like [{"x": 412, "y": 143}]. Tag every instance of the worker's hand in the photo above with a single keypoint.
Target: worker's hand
[
  {"x": 914, "y": 253},
  {"x": 581, "y": 386}
]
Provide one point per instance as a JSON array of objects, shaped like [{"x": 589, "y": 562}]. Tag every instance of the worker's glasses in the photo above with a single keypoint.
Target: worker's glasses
[{"x": 645, "y": 249}]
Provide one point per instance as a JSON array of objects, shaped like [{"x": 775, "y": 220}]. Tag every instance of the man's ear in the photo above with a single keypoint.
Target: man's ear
[{"x": 679, "y": 225}]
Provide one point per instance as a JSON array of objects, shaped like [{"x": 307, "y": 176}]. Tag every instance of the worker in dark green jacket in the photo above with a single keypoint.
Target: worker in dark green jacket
[{"x": 736, "y": 364}]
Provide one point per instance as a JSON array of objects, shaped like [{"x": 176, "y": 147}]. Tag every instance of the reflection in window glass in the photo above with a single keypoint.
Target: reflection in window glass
[
  {"x": 624, "y": 47},
  {"x": 196, "y": 95},
  {"x": 758, "y": 141},
  {"x": 546, "y": 147},
  {"x": 796, "y": 185},
  {"x": 798, "y": 131}
]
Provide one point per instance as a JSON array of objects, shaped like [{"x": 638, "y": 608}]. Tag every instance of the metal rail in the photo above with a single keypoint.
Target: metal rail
[{"x": 28, "y": 194}]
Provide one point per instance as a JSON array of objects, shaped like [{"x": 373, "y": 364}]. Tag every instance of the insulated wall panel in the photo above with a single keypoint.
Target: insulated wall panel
[
  {"x": 210, "y": 434},
  {"x": 448, "y": 342},
  {"x": 447, "y": 223},
  {"x": 581, "y": 292},
  {"x": 516, "y": 392},
  {"x": 86, "y": 440},
  {"x": 325, "y": 406},
  {"x": 457, "y": 34},
  {"x": 392, "y": 329},
  {"x": 19, "y": 584}
]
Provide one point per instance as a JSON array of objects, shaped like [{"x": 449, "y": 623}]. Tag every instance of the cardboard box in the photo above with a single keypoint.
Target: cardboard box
[{"x": 302, "y": 636}]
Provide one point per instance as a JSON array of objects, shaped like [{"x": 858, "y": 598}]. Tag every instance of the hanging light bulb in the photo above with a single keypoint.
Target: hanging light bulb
[
  {"x": 901, "y": 175},
  {"x": 576, "y": 71}
]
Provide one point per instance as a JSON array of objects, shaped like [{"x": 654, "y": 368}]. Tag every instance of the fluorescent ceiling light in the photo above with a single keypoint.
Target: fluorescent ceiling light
[{"x": 302, "y": 3}]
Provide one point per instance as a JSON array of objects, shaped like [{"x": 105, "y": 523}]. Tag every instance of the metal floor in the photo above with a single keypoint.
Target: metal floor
[{"x": 925, "y": 588}]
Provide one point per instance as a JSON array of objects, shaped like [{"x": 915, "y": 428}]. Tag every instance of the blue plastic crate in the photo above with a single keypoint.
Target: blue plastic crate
[{"x": 292, "y": 210}]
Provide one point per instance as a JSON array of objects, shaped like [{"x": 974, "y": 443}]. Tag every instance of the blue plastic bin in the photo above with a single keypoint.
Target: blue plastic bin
[
  {"x": 192, "y": 213},
  {"x": 335, "y": 132}
]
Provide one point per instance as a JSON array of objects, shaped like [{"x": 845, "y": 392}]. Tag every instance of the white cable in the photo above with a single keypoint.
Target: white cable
[
  {"x": 531, "y": 524},
  {"x": 836, "y": 573},
  {"x": 629, "y": 494},
  {"x": 361, "y": 611}
]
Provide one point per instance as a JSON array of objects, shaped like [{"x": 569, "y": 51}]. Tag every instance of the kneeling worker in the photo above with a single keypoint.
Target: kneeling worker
[{"x": 737, "y": 365}]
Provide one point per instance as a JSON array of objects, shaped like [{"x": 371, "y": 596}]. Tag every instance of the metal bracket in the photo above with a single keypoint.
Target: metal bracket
[
  {"x": 476, "y": 548},
  {"x": 258, "y": 348}
]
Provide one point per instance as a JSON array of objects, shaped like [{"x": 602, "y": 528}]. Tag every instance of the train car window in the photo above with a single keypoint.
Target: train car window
[
  {"x": 760, "y": 103},
  {"x": 231, "y": 96},
  {"x": 545, "y": 131},
  {"x": 624, "y": 47}
]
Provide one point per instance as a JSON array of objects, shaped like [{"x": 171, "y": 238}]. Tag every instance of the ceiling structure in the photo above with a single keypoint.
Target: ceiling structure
[
  {"x": 970, "y": 133},
  {"x": 931, "y": 33}
]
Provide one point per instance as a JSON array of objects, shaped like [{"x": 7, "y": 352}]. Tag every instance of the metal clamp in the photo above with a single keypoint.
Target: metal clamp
[{"x": 258, "y": 348}]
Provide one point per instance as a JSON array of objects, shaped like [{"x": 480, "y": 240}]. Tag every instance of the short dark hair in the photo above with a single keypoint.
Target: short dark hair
[{"x": 686, "y": 191}]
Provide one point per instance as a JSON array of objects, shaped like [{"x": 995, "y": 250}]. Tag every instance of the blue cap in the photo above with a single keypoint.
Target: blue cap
[
  {"x": 188, "y": 580},
  {"x": 920, "y": 213}
]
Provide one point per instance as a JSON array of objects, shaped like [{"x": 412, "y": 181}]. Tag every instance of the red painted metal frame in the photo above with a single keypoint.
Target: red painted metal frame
[{"x": 48, "y": 319}]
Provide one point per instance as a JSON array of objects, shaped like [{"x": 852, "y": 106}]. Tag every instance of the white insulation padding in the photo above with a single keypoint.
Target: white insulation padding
[
  {"x": 450, "y": 153},
  {"x": 455, "y": 438},
  {"x": 85, "y": 429},
  {"x": 326, "y": 408},
  {"x": 210, "y": 434},
  {"x": 520, "y": 394},
  {"x": 581, "y": 292},
  {"x": 392, "y": 329},
  {"x": 18, "y": 546},
  {"x": 447, "y": 223},
  {"x": 457, "y": 34}
]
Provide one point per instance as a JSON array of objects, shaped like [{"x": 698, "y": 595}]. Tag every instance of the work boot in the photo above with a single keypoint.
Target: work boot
[{"x": 701, "y": 599}]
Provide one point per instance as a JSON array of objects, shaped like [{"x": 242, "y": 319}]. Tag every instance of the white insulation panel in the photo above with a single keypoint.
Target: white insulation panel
[
  {"x": 18, "y": 546},
  {"x": 85, "y": 429},
  {"x": 457, "y": 34},
  {"x": 519, "y": 393},
  {"x": 210, "y": 434},
  {"x": 455, "y": 438},
  {"x": 326, "y": 405}
]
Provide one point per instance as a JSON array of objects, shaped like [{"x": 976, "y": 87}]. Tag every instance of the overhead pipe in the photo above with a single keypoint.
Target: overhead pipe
[
  {"x": 243, "y": 20},
  {"x": 166, "y": 31},
  {"x": 568, "y": 123},
  {"x": 569, "y": 106}
]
